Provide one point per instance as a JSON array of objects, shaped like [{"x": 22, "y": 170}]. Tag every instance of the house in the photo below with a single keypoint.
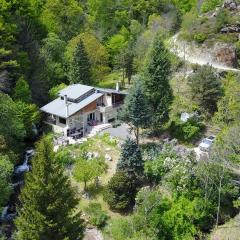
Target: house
[{"x": 79, "y": 107}]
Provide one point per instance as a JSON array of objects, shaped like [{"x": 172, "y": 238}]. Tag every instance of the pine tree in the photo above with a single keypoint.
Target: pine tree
[
  {"x": 47, "y": 201},
  {"x": 156, "y": 80},
  {"x": 136, "y": 110},
  {"x": 80, "y": 67},
  {"x": 130, "y": 160},
  {"x": 22, "y": 91}
]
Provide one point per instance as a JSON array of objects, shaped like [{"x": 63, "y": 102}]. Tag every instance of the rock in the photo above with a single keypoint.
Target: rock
[
  {"x": 231, "y": 29},
  {"x": 90, "y": 155},
  {"x": 230, "y": 4},
  {"x": 108, "y": 157},
  {"x": 226, "y": 54}
]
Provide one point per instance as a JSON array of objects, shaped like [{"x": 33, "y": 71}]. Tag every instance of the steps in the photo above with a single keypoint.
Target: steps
[{"x": 98, "y": 128}]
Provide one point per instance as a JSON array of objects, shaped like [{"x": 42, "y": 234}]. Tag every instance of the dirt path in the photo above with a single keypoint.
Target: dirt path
[
  {"x": 93, "y": 234},
  {"x": 195, "y": 55}
]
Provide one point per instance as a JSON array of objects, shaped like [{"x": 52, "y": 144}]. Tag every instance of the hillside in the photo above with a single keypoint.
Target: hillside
[{"x": 119, "y": 119}]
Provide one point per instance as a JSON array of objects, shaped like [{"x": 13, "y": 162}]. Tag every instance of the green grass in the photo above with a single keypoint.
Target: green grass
[
  {"x": 101, "y": 144},
  {"x": 110, "y": 80}
]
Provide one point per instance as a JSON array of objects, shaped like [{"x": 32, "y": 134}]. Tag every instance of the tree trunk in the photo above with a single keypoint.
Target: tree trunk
[
  {"x": 137, "y": 135},
  {"x": 85, "y": 186}
]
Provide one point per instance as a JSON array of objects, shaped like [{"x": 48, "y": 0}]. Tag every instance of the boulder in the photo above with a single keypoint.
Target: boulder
[
  {"x": 108, "y": 157},
  {"x": 225, "y": 54},
  {"x": 230, "y": 4},
  {"x": 231, "y": 29}
]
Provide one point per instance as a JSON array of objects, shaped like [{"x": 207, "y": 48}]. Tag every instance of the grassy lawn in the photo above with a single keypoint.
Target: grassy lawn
[
  {"x": 110, "y": 80},
  {"x": 101, "y": 145}
]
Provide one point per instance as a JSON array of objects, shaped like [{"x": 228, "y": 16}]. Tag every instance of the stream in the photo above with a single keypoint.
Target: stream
[{"x": 9, "y": 211}]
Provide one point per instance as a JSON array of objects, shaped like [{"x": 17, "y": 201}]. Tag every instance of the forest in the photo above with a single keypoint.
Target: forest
[{"x": 170, "y": 57}]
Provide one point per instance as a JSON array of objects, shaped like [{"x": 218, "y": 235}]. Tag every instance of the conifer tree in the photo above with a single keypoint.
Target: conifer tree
[
  {"x": 47, "y": 201},
  {"x": 136, "y": 109},
  {"x": 156, "y": 79},
  {"x": 80, "y": 67},
  {"x": 130, "y": 160},
  {"x": 22, "y": 91}
]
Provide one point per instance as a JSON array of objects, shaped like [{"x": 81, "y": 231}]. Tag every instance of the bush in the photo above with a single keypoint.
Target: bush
[
  {"x": 200, "y": 37},
  {"x": 209, "y": 5},
  {"x": 120, "y": 191},
  {"x": 97, "y": 216},
  {"x": 64, "y": 157},
  {"x": 222, "y": 19},
  {"x": 186, "y": 131}
]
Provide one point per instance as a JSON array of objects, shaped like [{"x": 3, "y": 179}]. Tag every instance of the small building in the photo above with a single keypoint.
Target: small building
[{"x": 79, "y": 107}]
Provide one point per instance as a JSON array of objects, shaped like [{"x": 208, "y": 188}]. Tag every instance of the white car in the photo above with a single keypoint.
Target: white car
[{"x": 206, "y": 143}]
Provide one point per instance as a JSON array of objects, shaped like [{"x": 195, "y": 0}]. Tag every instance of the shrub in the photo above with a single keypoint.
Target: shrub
[
  {"x": 97, "y": 216},
  {"x": 209, "y": 5},
  {"x": 120, "y": 191},
  {"x": 186, "y": 131},
  {"x": 200, "y": 37},
  {"x": 64, "y": 157},
  {"x": 222, "y": 19}
]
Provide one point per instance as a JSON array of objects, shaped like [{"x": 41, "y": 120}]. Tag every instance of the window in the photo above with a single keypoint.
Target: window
[
  {"x": 91, "y": 116},
  {"x": 62, "y": 120}
]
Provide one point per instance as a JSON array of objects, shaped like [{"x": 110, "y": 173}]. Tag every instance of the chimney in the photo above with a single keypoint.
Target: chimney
[
  {"x": 117, "y": 86},
  {"x": 66, "y": 104}
]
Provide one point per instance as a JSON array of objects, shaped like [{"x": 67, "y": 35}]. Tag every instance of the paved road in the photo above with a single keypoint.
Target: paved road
[{"x": 121, "y": 132}]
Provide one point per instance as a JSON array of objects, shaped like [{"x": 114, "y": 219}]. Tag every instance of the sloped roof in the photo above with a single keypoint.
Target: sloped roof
[
  {"x": 57, "y": 107},
  {"x": 75, "y": 91}
]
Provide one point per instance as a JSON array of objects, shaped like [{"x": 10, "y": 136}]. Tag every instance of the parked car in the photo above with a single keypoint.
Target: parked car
[{"x": 206, "y": 143}]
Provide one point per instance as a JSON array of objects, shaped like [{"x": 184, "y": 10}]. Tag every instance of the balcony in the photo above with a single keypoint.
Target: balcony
[{"x": 104, "y": 109}]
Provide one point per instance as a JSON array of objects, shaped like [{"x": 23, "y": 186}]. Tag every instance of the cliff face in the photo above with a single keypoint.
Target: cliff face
[
  {"x": 225, "y": 54},
  {"x": 221, "y": 55}
]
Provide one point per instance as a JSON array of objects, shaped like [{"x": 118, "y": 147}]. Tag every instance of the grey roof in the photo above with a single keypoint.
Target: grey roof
[
  {"x": 57, "y": 107},
  {"x": 109, "y": 90},
  {"x": 75, "y": 91}
]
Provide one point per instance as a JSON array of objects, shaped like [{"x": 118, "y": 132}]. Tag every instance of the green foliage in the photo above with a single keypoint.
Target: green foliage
[
  {"x": 86, "y": 170},
  {"x": 136, "y": 110},
  {"x": 206, "y": 88},
  {"x": 53, "y": 92},
  {"x": 6, "y": 170},
  {"x": 52, "y": 53},
  {"x": 80, "y": 67},
  {"x": 186, "y": 131},
  {"x": 200, "y": 37},
  {"x": 228, "y": 106},
  {"x": 97, "y": 216},
  {"x": 156, "y": 83},
  {"x": 12, "y": 126},
  {"x": 22, "y": 92},
  {"x": 48, "y": 201},
  {"x": 185, "y": 5},
  {"x": 222, "y": 19},
  {"x": 96, "y": 51},
  {"x": 64, "y": 157},
  {"x": 130, "y": 160},
  {"x": 209, "y": 5},
  {"x": 63, "y": 18},
  {"x": 30, "y": 115},
  {"x": 175, "y": 169},
  {"x": 120, "y": 191}
]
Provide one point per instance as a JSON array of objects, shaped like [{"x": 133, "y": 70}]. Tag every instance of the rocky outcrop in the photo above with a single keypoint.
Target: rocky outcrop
[
  {"x": 230, "y": 4},
  {"x": 231, "y": 29},
  {"x": 221, "y": 56},
  {"x": 225, "y": 54}
]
